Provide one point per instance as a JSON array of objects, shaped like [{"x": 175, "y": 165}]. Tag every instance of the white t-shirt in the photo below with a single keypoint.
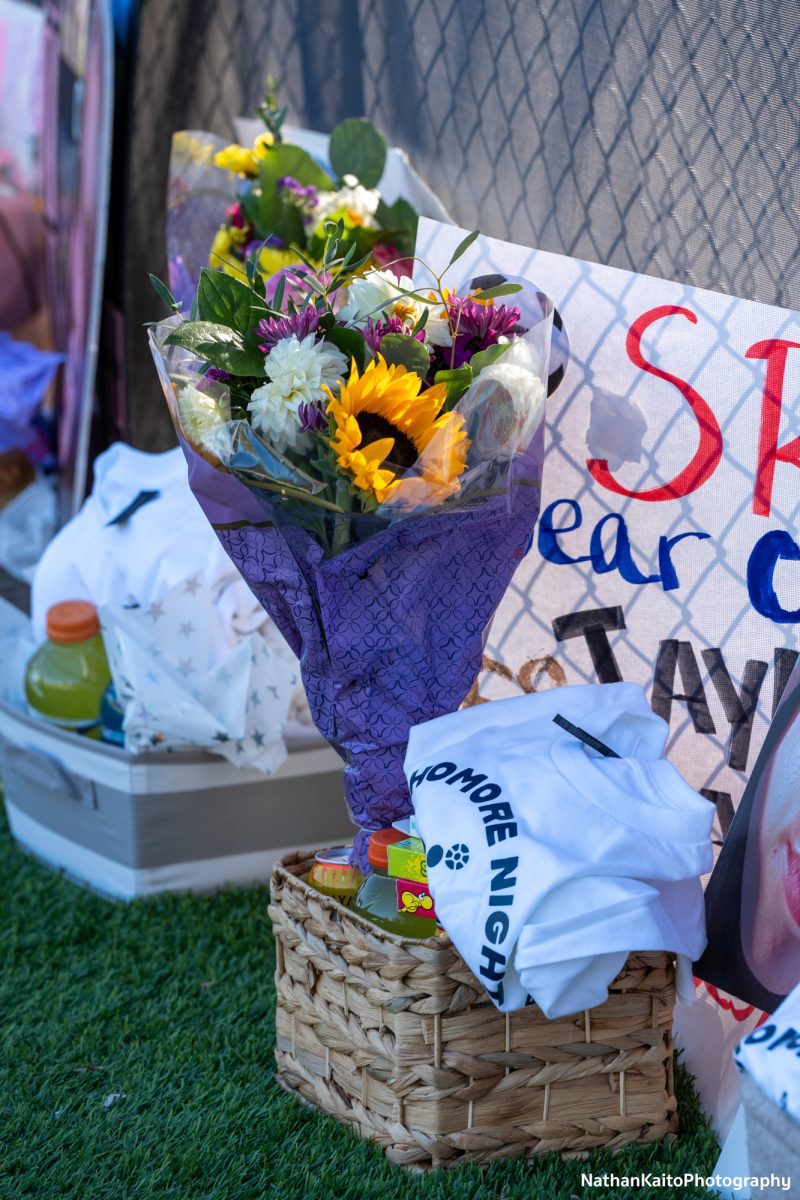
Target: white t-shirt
[
  {"x": 164, "y": 542},
  {"x": 548, "y": 862},
  {"x": 771, "y": 1055}
]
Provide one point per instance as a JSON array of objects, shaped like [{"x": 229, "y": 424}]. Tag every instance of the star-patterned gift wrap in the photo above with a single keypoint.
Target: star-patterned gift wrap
[{"x": 181, "y": 685}]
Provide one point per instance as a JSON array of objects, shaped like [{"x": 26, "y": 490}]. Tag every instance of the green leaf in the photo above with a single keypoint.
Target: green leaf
[
  {"x": 485, "y": 358},
  {"x": 350, "y": 342},
  {"x": 422, "y": 321},
  {"x": 280, "y": 288},
  {"x": 404, "y": 214},
  {"x": 217, "y": 344},
  {"x": 163, "y": 293},
  {"x": 224, "y": 300},
  {"x": 251, "y": 206},
  {"x": 463, "y": 246},
  {"x": 276, "y": 212},
  {"x": 457, "y": 380},
  {"x": 356, "y": 148},
  {"x": 285, "y": 160},
  {"x": 406, "y": 351},
  {"x": 502, "y": 289}
]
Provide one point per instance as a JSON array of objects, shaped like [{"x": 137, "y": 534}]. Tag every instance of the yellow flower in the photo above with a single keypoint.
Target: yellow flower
[
  {"x": 237, "y": 159},
  {"x": 384, "y": 423},
  {"x": 221, "y": 256},
  {"x": 264, "y": 142},
  {"x": 222, "y": 241},
  {"x": 271, "y": 260}
]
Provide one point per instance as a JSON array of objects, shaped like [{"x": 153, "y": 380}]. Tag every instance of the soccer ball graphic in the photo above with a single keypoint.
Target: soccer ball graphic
[{"x": 457, "y": 856}]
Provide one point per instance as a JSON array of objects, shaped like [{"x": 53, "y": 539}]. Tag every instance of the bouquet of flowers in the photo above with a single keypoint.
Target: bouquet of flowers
[
  {"x": 275, "y": 198},
  {"x": 369, "y": 454}
]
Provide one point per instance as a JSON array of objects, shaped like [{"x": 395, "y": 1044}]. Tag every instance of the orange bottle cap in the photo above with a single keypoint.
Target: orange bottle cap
[
  {"x": 72, "y": 621},
  {"x": 379, "y": 843}
]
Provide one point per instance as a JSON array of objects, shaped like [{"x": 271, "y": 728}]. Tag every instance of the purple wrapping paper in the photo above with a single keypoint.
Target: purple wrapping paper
[{"x": 389, "y": 632}]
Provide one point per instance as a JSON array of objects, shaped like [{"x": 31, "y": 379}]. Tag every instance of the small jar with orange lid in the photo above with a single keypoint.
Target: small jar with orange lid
[
  {"x": 67, "y": 676},
  {"x": 377, "y": 896},
  {"x": 334, "y": 875}
]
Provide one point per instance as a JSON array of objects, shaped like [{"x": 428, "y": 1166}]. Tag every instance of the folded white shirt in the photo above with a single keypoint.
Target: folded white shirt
[
  {"x": 548, "y": 862},
  {"x": 165, "y": 541}
]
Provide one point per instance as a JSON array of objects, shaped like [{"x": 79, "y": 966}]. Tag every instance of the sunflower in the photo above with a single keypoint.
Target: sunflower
[{"x": 383, "y": 424}]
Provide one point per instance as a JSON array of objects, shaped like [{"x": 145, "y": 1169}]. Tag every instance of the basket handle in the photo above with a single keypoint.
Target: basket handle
[{"x": 46, "y": 770}]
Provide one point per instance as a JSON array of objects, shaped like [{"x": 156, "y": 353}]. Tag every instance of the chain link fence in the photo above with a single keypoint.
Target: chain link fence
[
  {"x": 658, "y": 136},
  {"x": 655, "y": 135}
]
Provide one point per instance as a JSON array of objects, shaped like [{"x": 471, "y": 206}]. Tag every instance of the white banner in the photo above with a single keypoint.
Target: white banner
[{"x": 667, "y": 550}]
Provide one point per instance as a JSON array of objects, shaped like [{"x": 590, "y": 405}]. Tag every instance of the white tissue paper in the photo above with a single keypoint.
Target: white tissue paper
[{"x": 182, "y": 686}]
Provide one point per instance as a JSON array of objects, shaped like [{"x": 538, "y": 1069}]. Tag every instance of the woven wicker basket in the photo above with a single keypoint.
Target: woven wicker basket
[{"x": 396, "y": 1038}]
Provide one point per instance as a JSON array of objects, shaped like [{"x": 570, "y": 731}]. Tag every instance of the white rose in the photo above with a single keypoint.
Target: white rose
[
  {"x": 437, "y": 328},
  {"x": 379, "y": 294},
  {"x": 505, "y": 405}
]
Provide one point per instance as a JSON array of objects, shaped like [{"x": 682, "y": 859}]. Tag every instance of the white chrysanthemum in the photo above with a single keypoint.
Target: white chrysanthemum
[
  {"x": 296, "y": 371},
  {"x": 352, "y": 198},
  {"x": 368, "y": 296}
]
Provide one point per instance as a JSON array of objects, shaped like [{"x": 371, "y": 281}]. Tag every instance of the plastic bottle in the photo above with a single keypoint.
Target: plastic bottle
[
  {"x": 377, "y": 896},
  {"x": 333, "y": 875},
  {"x": 112, "y": 715},
  {"x": 66, "y": 677}
]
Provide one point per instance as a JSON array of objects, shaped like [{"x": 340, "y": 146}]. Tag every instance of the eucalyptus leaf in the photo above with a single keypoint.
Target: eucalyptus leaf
[
  {"x": 403, "y": 213},
  {"x": 463, "y": 246},
  {"x": 217, "y": 344},
  {"x": 400, "y": 349},
  {"x": 286, "y": 160},
  {"x": 356, "y": 148},
  {"x": 163, "y": 293},
  {"x": 280, "y": 288},
  {"x": 502, "y": 289},
  {"x": 422, "y": 320},
  {"x": 351, "y": 343}
]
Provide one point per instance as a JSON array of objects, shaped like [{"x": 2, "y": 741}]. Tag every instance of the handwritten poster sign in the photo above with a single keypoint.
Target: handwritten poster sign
[{"x": 668, "y": 546}]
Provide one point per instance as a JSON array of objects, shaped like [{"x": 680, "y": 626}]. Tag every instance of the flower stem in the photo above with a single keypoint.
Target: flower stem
[{"x": 341, "y": 524}]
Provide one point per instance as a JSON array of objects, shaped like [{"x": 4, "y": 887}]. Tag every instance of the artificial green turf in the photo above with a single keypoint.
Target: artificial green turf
[{"x": 170, "y": 1001}]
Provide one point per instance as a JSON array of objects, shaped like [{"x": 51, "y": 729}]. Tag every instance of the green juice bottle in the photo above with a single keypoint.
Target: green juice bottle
[
  {"x": 67, "y": 676},
  {"x": 377, "y": 896}
]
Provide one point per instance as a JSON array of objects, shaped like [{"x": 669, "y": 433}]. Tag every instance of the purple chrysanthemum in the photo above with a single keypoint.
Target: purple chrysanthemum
[
  {"x": 483, "y": 323},
  {"x": 373, "y": 331},
  {"x": 312, "y": 418},
  {"x": 479, "y": 326},
  {"x": 275, "y": 329}
]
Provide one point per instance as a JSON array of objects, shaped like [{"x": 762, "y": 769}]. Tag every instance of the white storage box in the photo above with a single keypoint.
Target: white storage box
[{"x": 130, "y": 825}]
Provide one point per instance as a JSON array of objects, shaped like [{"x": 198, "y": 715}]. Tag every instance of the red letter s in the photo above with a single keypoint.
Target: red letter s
[{"x": 709, "y": 451}]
